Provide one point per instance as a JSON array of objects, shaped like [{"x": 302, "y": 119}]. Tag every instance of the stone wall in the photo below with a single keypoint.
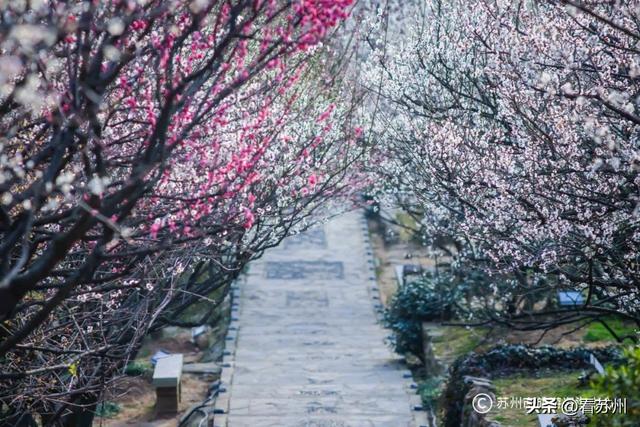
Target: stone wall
[
  {"x": 504, "y": 360},
  {"x": 475, "y": 387}
]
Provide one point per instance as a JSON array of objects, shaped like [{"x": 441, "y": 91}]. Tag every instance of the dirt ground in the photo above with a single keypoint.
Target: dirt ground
[
  {"x": 136, "y": 395},
  {"x": 564, "y": 337},
  {"x": 388, "y": 256}
]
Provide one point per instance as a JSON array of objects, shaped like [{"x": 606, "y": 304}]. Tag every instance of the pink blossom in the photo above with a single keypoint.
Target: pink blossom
[
  {"x": 249, "y": 218},
  {"x": 154, "y": 229}
]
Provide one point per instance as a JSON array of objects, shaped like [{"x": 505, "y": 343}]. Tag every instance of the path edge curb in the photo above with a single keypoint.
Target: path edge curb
[
  {"x": 223, "y": 400},
  {"x": 419, "y": 416}
]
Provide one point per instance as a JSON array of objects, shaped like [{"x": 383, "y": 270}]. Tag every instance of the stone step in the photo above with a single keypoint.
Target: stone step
[
  {"x": 294, "y": 391},
  {"x": 298, "y": 338},
  {"x": 326, "y": 364},
  {"x": 317, "y": 329},
  {"x": 312, "y": 356},
  {"x": 311, "y": 345},
  {"x": 308, "y": 297},
  {"x": 318, "y": 405},
  {"x": 352, "y": 274},
  {"x": 373, "y": 377},
  {"x": 336, "y": 420},
  {"x": 348, "y": 316}
]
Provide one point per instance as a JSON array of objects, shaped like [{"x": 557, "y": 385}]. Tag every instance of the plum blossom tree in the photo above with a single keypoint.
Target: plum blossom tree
[
  {"x": 144, "y": 143},
  {"x": 514, "y": 127}
]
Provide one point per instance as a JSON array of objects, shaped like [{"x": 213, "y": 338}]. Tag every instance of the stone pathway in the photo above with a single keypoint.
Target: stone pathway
[{"x": 307, "y": 351}]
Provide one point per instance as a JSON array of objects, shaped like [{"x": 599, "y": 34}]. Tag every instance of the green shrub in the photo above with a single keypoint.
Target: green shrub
[
  {"x": 430, "y": 391},
  {"x": 137, "y": 368},
  {"x": 107, "y": 409},
  {"x": 622, "y": 382},
  {"x": 426, "y": 299}
]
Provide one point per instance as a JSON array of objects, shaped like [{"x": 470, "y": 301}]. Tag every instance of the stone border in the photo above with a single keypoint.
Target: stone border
[
  {"x": 420, "y": 416},
  {"x": 475, "y": 387},
  {"x": 223, "y": 399}
]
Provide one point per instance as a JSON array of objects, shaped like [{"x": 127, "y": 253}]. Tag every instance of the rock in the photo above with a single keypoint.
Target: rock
[
  {"x": 214, "y": 352},
  {"x": 202, "y": 368},
  {"x": 202, "y": 341},
  {"x": 196, "y": 415},
  {"x": 476, "y": 386},
  {"x": 571, "y": 420},
  {"x": 479, "y": 382},
  {"x": 413, "y": 361}
]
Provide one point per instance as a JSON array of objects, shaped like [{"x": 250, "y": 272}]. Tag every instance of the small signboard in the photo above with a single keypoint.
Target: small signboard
[
  {"x": 158, "y": 355},
  {"x": 197, "y": 331},
  {"x": 596, "y": 363},
  {"x": 545, "y": 420},
  {"x": 400, "y": 275},
  {"x": 570, "y": 298}
]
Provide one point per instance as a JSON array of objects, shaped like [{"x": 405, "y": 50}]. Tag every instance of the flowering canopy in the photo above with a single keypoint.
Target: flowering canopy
[
  {"x": 138, "y": 96},
  {"x": 515, "y": 126},
  {"x": 145, "y": 142}
]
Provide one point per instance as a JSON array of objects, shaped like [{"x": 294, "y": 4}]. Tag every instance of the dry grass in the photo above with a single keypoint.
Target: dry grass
[{"x": 542, "y": 384}]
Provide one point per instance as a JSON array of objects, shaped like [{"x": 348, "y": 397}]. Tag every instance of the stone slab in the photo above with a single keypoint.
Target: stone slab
[
  {"x": 168, "y": 371},
  {"x": 320, "y": 421},
  {"x": 201, "y": 368}
]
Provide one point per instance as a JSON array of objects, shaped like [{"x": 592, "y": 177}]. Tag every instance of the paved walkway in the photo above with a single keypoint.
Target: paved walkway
[{"x": 309, "y": 352}]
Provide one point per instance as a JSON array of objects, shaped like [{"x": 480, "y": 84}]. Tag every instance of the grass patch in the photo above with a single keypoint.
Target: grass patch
[
  {"x": 541, "y": 384},
  {"x": 138, "y": 367},
  {"x": 597, "y": 332},
  {"x": 379, "y": 270},
  {"x": 450, "y": 342},
  {"x": 408, "y": 224}
]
